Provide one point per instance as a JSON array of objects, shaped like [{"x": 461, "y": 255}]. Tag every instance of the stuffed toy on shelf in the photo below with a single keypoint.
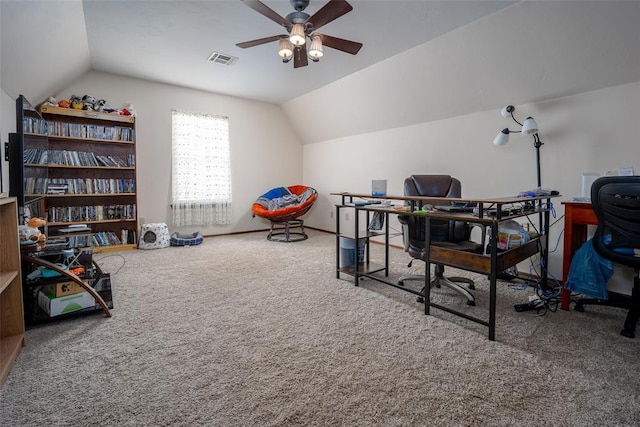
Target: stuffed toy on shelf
[
  {"x": 76, "y": 102},
  {"x": 30, "y": 235},
  {"x": 51, "y": 101},
  {"x": 88, "y": 102}
]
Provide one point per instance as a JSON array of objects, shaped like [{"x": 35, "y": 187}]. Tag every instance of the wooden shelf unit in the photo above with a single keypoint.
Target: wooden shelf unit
[
  {"x": 78, "y": 134},
  {"x": 12, "y": 337}
]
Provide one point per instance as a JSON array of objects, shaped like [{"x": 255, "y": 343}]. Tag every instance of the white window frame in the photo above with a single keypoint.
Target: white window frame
[{"x": 201, "y": 169}]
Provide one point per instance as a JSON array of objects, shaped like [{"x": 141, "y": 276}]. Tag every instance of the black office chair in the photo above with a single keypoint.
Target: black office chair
[
  {"x": 452, "y": 234},
  {"x": 616, "y": 203}
]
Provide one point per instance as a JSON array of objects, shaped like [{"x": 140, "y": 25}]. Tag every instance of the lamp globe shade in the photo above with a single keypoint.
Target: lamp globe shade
[
  {"x": 506, "y": 111},
  {"x": 502, "y": 138},
  {"x": 530, "y": 126}
]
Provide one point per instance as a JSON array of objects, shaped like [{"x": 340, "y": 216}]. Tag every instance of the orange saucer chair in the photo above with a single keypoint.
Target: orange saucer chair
[{"x": 283, "y": 206}]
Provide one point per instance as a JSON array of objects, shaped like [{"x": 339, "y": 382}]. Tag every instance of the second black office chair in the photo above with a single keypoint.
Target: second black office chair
[
  {"x": 453, "y": 234},
  {"x": 616, "y": 203}
]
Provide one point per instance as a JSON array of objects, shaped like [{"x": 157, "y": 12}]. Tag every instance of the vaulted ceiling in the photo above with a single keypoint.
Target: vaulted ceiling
[
  {"x": 170, "y": 41},
  {"x": 421, "y": 60}
]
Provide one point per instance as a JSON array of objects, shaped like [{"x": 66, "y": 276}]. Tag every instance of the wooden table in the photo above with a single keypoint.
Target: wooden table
[
  {"x": 69, "y": 275},
  {"x": 577, "y": 216}
]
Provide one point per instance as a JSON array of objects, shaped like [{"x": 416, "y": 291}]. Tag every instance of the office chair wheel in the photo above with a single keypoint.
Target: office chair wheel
[
  {"x": 628, "y": 332},
  {"x": 420, "y": 300},
  {"x": 471, "y": 302},
  {"x": 579, "y": 307}
]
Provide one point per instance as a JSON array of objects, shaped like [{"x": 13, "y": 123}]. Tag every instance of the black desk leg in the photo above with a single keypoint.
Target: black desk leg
[
  {"x": 356, "y": 215},
  {"x": 386, "y": 244},
  {"x": 492, "y": 281},
  {"x": 426, "y": 290},
  {"x": 338, "y": 240}
]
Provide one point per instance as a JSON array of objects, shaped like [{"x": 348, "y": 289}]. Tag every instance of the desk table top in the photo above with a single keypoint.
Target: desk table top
[
  {"x": 484, "y": 213},
  {"x": 492, "y": 200}
]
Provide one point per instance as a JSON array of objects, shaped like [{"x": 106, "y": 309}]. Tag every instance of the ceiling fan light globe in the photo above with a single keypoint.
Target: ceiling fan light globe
[
  {"x": 297, "y": 36},
  {"x": 284, "y": 49},
  {"x": 315, "y": 51}
]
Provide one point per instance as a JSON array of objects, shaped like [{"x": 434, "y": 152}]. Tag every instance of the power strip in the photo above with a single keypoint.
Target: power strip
[{"x": 534, "y": 303}]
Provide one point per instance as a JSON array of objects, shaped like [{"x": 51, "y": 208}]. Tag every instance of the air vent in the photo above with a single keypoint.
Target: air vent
[{"x": 221, "y": 58}]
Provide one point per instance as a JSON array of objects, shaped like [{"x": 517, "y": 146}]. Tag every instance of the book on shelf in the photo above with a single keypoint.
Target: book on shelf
[
  {"x": 89, "y": 131},
  {"x": 128, "y": 237},
  {"x": 35, "y": 126},
  {"x": 35, "y": 156},
  {"x": 91, "y": 213},
  {"x": 81, "y": 186},
  {"x": 57, "y": 188}
]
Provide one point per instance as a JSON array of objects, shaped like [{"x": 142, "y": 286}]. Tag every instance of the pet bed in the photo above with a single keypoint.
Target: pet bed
[
  {"x": 186, "y": 239},
  {"x": 154, "y": 236}
]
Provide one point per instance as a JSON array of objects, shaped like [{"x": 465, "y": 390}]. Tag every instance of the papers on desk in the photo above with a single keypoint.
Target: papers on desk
[
  {"x": 455, "y": 208},
  {"x": 370, "y": 203}
]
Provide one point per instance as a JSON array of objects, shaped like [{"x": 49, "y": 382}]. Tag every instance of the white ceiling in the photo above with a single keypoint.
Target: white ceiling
[{"x": 169, "y": 42}]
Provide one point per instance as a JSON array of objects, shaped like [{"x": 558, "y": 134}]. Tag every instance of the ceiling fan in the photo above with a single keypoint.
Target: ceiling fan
[{"x": 301, "y": 26}]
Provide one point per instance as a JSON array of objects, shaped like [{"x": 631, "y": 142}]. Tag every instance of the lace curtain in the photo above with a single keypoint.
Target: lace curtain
[{"x": 201, "y": 171}]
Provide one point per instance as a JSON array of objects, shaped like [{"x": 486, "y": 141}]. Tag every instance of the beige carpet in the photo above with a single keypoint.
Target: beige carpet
[{"x": 240, "y": 331}]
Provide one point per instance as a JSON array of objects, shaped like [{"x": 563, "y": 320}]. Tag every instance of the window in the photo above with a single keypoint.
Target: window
[{"x": 201, "y": 171}]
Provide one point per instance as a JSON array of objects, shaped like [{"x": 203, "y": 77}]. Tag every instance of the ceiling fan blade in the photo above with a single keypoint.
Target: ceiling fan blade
[
  {"x": 268, "y": 12},
  {"x": 300, "y": 57},
  {"x": 330, "y": 11},
  {"x": 340, "y": 44},
  {"x": 257, "y": 42}
]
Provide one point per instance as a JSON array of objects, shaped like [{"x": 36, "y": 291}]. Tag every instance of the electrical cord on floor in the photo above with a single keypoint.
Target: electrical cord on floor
[
  {"x": 547, "y": 297},
  {"x": 124, "y": 261}
]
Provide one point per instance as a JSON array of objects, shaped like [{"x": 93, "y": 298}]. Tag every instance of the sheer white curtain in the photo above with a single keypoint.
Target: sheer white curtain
[{"x": 201, "y": 170}]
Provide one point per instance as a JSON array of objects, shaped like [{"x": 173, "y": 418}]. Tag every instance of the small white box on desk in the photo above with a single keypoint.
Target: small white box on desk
[
  {"x": 587, "y": 180},
  {"x": 65, "y": 304},
  {"x": 379, "y": 187}
]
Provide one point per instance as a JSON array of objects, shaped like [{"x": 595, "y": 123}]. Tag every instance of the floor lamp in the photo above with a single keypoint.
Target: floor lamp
[{"x": 530, "y": 127}]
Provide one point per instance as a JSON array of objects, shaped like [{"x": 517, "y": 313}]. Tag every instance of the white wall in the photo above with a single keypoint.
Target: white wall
[
  {"x": 264, "y": 150},
  {"x": 590, "y": 132},
  {"x": 593, "y": 131},
  {"x": 527, "y": 52}
]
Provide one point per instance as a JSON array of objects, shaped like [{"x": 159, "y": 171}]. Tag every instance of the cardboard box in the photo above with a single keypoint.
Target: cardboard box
[
  {"x": 65, "y": 304},
  {"x": 63, "y": 288}
]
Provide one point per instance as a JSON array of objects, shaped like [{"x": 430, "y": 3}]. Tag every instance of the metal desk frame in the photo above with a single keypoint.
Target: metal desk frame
[{"x": 491, "y": 264}]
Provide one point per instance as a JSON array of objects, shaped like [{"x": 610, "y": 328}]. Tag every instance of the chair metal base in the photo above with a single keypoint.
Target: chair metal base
[
  {"x": 632, "y": 304},
  {"x": 287, "y": 235},
  {"x": 440, "y": 280}
]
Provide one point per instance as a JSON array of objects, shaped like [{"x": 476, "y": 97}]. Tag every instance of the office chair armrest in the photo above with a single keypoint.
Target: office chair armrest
[{"x": 405, "y": 236}]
